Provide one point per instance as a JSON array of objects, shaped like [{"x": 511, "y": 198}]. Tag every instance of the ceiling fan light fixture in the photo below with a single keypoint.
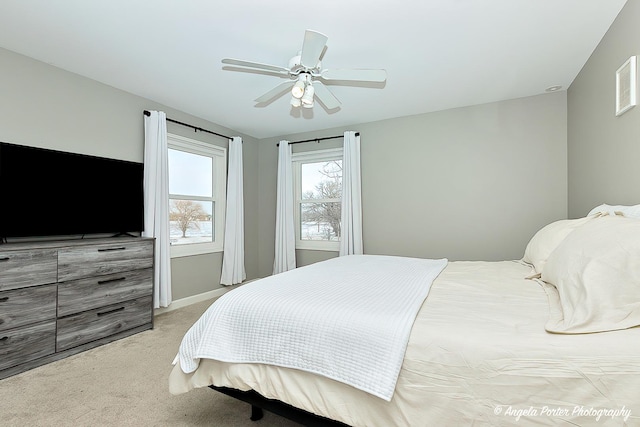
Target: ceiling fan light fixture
[
  {"x": 298, "y": 88},
  {"x": 295, "y": 102},
  {"x": 307, "y": 98}
]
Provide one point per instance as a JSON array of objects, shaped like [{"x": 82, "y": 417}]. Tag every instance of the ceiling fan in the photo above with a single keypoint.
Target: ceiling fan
[{"x": 306, "y": 76}]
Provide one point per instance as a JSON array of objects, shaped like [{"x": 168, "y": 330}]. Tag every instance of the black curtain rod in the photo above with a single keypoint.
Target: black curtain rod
[
  {"x": 317, "y": 139},
  {"x": 196, "y": 128}
]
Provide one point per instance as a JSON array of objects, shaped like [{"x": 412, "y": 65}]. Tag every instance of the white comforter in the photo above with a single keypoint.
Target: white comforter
[{"x": 348, "y": 319}]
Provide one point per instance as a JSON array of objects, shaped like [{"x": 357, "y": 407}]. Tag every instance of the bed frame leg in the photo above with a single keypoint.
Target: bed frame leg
[{"x": 256, "y": 413}]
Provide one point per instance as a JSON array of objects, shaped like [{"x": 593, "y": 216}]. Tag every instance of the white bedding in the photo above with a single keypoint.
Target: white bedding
[
  {"x": 348, "y": 319},
  {"x": 478, "y": 355}
]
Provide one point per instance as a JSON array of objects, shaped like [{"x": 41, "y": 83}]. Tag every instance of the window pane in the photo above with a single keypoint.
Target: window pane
[
  {"x": 190, "y": 221},
  {"x": 321, "y": 180},
  {"x": 320, "y": 221},
  {"x": 190, "y": 174}
]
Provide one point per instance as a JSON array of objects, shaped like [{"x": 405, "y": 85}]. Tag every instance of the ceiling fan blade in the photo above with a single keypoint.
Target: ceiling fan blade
[
  {"x": 312, "y": 47},
  {"x": 257, "y": 65},
  {"x": 354, "y": 75},
  {"x": 325, "y": 96},
  {"x": 275, "y": 92}
]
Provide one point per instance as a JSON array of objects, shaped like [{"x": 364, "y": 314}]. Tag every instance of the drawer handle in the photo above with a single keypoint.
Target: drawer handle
[
  {"x": 3, "y": 339},
  {"x": 122, "y": 248},
  {"x": 104, "y": 313},
  {"x": 102, "y": 282},
  {"x": 4, "y": 299},
  {"x": 6, "y": 258}
]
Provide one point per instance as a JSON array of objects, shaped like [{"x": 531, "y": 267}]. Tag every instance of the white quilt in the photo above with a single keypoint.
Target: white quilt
[{"x": 348, "y": 319}]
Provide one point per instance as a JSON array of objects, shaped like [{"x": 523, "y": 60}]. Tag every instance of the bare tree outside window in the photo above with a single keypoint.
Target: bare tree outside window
[
  {"x": 187, "y": 214},
  {"x": 320, "y": 207}
]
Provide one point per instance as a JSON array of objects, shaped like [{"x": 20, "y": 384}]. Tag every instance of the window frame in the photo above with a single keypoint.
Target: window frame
[
  {"x": 219, "y": 186},
  {"x": 297, "y": 160}
]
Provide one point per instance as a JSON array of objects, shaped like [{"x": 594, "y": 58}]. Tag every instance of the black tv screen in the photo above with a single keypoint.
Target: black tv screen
[{"x": 54, "y": 193}]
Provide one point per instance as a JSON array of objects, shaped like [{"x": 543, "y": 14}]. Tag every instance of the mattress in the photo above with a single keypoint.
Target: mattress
[{"x": 478, "y": 354}]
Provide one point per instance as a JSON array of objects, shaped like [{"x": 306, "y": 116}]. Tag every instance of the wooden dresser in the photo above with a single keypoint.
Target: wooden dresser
[{"x": 58, "y": 298}]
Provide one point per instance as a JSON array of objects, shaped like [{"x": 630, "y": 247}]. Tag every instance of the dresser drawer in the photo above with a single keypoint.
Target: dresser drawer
[
  {"x": 108, "y": 258},
  {"x": 27, "y": 268},
  {"x": 86, "y": 294},
  {"x": 20, "y": 345},
  {"x": 92, "y": 325},
  {"x": 27, "y": 305}
]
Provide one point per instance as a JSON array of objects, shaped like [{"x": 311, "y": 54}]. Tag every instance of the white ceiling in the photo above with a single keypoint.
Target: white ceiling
[{"x": 439, "y": 54}]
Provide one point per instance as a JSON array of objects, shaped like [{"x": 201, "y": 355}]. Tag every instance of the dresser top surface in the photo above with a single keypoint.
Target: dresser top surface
[{"x": 70, "y": 243}]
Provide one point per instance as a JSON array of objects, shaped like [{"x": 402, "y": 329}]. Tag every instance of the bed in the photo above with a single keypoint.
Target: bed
[{"x": 551, "y": 339}]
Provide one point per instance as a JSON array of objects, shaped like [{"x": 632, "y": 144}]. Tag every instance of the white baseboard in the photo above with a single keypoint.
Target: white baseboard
[{"x": 183, "y": 302}]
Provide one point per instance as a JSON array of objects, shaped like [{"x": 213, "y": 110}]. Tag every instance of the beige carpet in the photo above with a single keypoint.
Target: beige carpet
[{"x": 124, "y": 383}]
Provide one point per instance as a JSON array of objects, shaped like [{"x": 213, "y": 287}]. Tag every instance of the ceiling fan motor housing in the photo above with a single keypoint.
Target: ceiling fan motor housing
[
  {"x": 294, "y": 62},
  {"x": 295, "y": 68}
]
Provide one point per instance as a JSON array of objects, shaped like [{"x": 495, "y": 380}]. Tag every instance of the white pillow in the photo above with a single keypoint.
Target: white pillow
[
  {"x": 547, "y": 239},
  {"x": 628, "y": 211},
  {"x": 596, "y": 271}
]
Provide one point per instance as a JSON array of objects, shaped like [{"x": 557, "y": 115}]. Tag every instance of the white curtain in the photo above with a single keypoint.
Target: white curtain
[
  {"x": 156, "y": 202},
  {"x": 233, "y": 256},
  {"x": 351, "y": 227},
  {"x": 285, "y": 257}
]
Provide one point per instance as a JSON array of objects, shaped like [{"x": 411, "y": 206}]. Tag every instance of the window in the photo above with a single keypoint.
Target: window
[
  {"x": 317, "y": 182},
  {"x": 197, "y": 174}
]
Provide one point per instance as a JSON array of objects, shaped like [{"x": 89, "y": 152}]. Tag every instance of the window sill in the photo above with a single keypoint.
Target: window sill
[{"x": 318, "y": 246}]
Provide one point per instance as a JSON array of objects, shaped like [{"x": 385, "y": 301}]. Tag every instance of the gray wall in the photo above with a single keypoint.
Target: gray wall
[
  {"x": 471, "y": 183},
  {"x": 604, "y": 149},
  {"x": 48, "y": 107}
]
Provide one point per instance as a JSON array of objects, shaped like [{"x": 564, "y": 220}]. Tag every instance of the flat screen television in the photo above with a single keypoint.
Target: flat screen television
[{"x": 46, "y": 193}]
